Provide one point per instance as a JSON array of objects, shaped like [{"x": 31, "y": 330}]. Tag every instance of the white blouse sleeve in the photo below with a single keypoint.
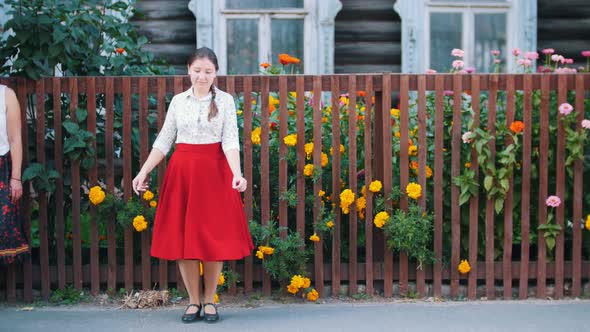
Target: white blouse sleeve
[
  {"x": 229, "y": 131},
  {"x": 167, "y": 134}
]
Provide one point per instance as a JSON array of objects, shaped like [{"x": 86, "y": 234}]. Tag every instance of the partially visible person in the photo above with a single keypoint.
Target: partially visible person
[{"x": 13, "y": 242}]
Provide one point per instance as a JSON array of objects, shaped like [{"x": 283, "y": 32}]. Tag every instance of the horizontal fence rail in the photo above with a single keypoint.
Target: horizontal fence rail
[{"x": 399, "y": 129}]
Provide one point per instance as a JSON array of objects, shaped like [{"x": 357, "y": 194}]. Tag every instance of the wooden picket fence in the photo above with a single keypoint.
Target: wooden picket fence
[{"x": 381, "y": 265}]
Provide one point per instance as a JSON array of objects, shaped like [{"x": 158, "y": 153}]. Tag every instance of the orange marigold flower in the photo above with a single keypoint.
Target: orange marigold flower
[
  {"x": 361, "y": 93},
  {"x": 265, "y": 65},
  {"x": 517, "y": 127},
  {"x": 119, "y": 50}
]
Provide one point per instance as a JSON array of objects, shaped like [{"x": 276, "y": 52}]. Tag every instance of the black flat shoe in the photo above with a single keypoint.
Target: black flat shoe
[
  {"x": 189, "y": 318},
  {"x": 210, "y": 318}
]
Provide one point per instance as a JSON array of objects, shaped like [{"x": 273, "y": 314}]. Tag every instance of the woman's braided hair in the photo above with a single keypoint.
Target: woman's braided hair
[{"x": 205, "y": 52}]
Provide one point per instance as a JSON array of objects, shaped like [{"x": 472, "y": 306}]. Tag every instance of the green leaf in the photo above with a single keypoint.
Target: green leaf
[
  {"x": 550, "y": 243},
  {"x": 499, "y": 205},
  {"x": 488, "y": 182},
  {"x": 71, "y": 127}
]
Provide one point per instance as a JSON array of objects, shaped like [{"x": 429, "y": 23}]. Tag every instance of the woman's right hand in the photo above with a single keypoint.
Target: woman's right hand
[{"x": 140, "y": 183}]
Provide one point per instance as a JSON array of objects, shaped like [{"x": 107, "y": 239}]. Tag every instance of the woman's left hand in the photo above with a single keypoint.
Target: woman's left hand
[
  {"x": 16, "y": 190},
  {"x": 239, "y": 183}
]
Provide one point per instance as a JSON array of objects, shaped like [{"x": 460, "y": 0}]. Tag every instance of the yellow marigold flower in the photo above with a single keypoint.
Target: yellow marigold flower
[
  {"x": 308, "y": 170},
  {"x": 361, "y": 203},
  {"x": 380, "y": 219},
  {"x": 297, "y": 281},
  {"x": 397, "y": 134},
  {"x": 330, "y": 224},
  {"x": 467, "y": 165},
  {"x": 314, "y": 238},
  {"x": 313, "y": 295},
  {"x": 375, "y": 186},
  {"x": 293, "y": 94},
  {"x": 259, "y": 254},
  {"x": 153, "y": 204},
  {"x": 346, "y": 198},
  {"x": 200, "y": 268},
  {"x": 266, "y": 250},
  {"x": 428, "y": 172},
  {"x": 256, "y": 136},
  {"x": 239, "y": 112},
  {"x": 306, "y": 282},
  {"x": 215, "y": 298},
  {"x": 290, "y": 140},
  {"x": 308, "y": 147},
  {"x": 364, "y": 191},
  {"x": 587, "y": 223},
  {"x": 324, "y": 159},
  {"x": 414, "y": 190},
  {"x": 464, "y": 267},
  {"x": 344, "y": 100},
  {"x": 139, "y": 223},
  {"x": 324, "y": 119},
  {"x": 321, "y": 193},
  {"x": 394, "y": 112},
  {"x": 96, "y": 195},
  {"x": 412, "y": 150},
  {"x": 221, "y": 280},
  {"x": 292, "y": 289},
  {"x": 148, "y": 195},
  {"x": 272, "y": 100},
  {"x": 341, "y": 150}
]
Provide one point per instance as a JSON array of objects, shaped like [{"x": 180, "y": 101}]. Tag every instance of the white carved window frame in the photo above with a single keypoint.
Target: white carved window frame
[
  {"x": 415, "y": 17},
  {"x": 318, "y": 30}
]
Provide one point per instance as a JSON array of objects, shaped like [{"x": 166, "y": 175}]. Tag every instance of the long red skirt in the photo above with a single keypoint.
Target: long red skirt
[{"x": 199, "y": 214}]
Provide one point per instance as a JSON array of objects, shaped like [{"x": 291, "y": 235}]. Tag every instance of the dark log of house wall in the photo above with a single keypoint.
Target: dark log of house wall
[
  {"x": 170, "y": 27},
  {"x": 367, "y": 37},
  {"x": 565, "y": 26}
]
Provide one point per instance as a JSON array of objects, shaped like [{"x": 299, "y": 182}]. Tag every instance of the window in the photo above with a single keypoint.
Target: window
[
  {"x": 432, "y": 28},
  {"x": 245, "y": 33}
]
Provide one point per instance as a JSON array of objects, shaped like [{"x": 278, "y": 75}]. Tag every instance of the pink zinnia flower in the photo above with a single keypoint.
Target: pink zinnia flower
[
  {"x": 458, "y": 64},
  {"x": 568, "y": 61},
  {"x": 531, "y": 55},
  {"x": 586, "y": 54},
  {"x": 457, "y": 52},
  {"x": 565, "y": 108},
  {"x": 516, "y": 51},
  {"x": 430, "y": 71},
  {"x": 497, "y": 61},
  {"x": 467, "y": 137},
  {"x": 495, "y": 52},
  {"x": 548, "y": 51},
  {"x": 553, "y": 201},
  {"x": 556, "y": 57},
  {"x": 449, "y": 92},
  {"x": 524, "y": 62},
  {"x": 470, "y": 70},
  {"x": 586, "y": 124}
]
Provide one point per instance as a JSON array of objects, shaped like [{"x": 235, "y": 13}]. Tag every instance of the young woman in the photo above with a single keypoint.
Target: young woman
[
  {"x": 13, "y": 244},
  {"x": 200, "y": 215}
]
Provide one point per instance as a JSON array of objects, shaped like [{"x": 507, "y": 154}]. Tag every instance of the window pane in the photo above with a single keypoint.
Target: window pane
[
  {"x": 242, "y": 46},
  {"x": 262, "y": 4},
  {"x": 287, "y": 37},
  {"x": 445, "y": 34},
  {"x": 490, "y": 34}
]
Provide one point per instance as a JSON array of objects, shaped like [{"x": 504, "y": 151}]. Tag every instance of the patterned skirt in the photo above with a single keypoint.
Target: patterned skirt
[{"x": 13, "y": 242}]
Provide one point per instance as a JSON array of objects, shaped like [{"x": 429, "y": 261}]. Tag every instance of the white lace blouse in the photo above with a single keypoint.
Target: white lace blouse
[{"x": 186, "y": 121}]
